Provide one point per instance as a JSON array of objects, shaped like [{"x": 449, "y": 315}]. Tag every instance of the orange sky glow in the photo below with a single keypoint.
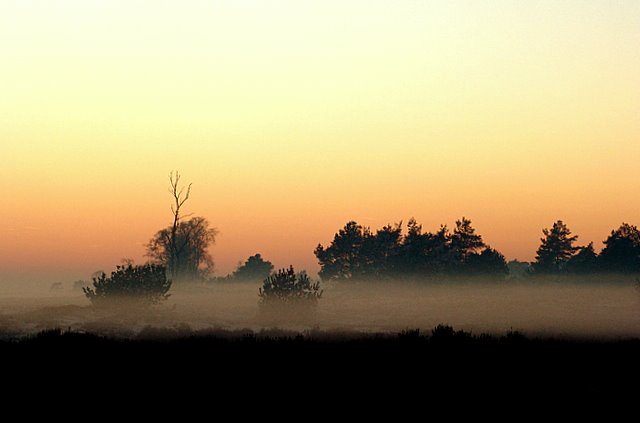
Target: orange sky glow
[{"x": 292, "y": 118}]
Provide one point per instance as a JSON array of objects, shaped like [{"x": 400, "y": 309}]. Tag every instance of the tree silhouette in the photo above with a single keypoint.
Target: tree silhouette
[
  {"x": 555, "y": 250},
  {"x": 174, "y": 245},
  {"x": 288, "y": 287},
  {"x": 191, "y": 260},
  {"x": 344, "y": 258},
  {"x": 422, "y": 254},
  {"x": 254, "y": 269},
  {"x": 584, "y": 261},
  {"x": 411, "y": 256},
  {"x": 622, "y": 250},
  {"x": 356, "y": 252},
  {"x": 439, "y": 256},
  {"x": 380, "y": 252},
  {"x": 146, "y": 284},
  {"x": 464, "y": 241},
  {"x": 488, "y": 262}
]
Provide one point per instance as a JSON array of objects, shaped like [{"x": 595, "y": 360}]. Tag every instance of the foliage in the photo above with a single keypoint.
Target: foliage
[
  {"x": 488, "y": 262},
  {"x": 555, "y": 250},
  {"x": 584, "y": 261},
  {"x": 464, "y": 241},
  {"x": 380, "y": 252},
  {"x": 622, "y": 250},
  {"x": 358, "y": 253},
  {"x": 344, "y": 258},
  {"x": 445, "y": 334},
  {"x": 191, "y": 260},
  {"x": 286, "y": 286},
  {"x": 255, "y": 268},
  {"x": 145, "y": 284},
  {"x": 425, "y": 253}
]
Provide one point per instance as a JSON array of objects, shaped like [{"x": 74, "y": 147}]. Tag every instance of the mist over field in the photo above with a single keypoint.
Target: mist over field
[
  {"x": 592, "y": 306},
  {"x": 346, "y": 198}
]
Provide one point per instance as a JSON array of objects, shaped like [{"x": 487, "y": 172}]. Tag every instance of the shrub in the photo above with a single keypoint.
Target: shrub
[
  {"x": 254, "y": 269},
  {"x": 144, "y": 284},
  {"x": 286, "y": 286}
]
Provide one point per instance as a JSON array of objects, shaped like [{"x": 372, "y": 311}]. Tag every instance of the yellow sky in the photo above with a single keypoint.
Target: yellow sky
[{"x": 292, "y": 117}]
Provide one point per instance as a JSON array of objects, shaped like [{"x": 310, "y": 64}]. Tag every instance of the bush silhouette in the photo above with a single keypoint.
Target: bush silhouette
[
  {"x": 286, "y": 286},
  {"x": 146, "y": 284},
  {"x": 254, "y": 269}
]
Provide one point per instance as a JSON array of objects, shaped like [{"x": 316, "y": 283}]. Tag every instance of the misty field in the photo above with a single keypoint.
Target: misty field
[{"x": 593, "y": 307}]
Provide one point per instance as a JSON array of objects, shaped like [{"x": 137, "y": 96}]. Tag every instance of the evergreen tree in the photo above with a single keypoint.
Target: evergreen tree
[
  {"x": 622, "y": 250},
  {"x": 411, "y": 255},
  {"x": 488, "y": 262},
  {"x": 357, "y": 253},
  {"x": 380, "y": 252},
  {"x": 464, "y": 240},
  {"x": 555, "y": 250},
  {"x": 344, "y": 258},
  {"x": 585, "y": 261}
]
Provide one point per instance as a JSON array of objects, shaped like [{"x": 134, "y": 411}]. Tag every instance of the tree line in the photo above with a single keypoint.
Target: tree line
[
  {"x": 180, "y": 252},
  {"x": 558, "y": 252},
  {"x": 356, "y": 252},
  {"x": 391, "y": 252}
]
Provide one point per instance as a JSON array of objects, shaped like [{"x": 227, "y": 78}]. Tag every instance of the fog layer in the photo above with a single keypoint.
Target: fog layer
[{"x": 595, "y": 307}]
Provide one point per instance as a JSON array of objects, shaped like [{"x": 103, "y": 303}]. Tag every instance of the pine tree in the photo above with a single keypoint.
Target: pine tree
[
  {"x": 621, "y": 253},
  {"x": 464, "y": 240},
  {"x": 555, "y": 250}
]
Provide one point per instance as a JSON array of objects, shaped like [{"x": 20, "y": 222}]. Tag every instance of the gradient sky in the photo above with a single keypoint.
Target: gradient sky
[{"x": 293, "y": 117}]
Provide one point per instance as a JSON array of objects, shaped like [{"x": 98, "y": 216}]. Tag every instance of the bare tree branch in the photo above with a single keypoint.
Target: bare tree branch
[{"x": 179, "y": 198}]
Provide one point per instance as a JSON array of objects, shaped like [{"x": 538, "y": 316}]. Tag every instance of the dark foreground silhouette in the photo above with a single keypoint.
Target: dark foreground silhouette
[{"x": 442, "y": 364}]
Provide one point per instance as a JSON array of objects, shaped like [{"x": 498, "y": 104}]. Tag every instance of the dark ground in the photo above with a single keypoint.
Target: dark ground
[{"x": 418, "y": 370}]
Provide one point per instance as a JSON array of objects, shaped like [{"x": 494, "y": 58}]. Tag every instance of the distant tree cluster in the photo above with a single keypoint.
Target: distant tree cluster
[
  {"x": 358, "y": 253},
  {"x": 559, "y": 254},
  {"x": 254, "y": 269}
]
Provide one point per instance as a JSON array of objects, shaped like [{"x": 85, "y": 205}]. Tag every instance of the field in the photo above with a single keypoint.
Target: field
[
  {"x": 579, "y": 308},
  {"x": 540, "y": 340}
]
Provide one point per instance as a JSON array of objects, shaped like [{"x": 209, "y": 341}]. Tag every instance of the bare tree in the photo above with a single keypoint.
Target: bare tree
[
  {"x": 182, "y": 246},
  {"x": 180, "y": 196}
]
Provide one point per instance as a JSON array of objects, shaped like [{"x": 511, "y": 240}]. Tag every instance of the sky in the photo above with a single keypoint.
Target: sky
[{"x": 291, "y": 118}]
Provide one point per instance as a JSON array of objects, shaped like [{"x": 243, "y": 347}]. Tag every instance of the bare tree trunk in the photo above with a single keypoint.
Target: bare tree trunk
[{"x": 179, "y": 198}]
